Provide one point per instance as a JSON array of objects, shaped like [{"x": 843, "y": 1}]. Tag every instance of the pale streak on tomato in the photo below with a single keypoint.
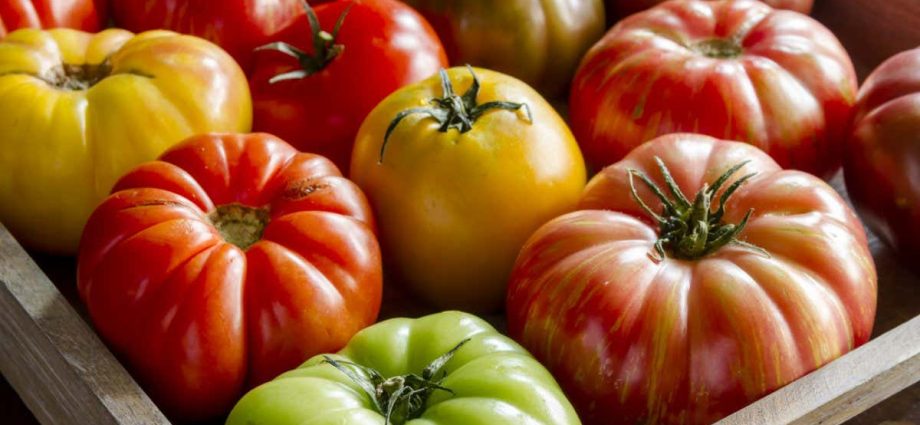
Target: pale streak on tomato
[
  {"x": 61, "y": 150},
  {"x": 687, "y": 342}
]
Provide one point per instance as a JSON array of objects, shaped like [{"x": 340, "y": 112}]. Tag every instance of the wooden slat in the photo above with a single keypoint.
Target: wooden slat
[
  {"x": 846, "y": 386},
  {"x": 53, "y": 359}
]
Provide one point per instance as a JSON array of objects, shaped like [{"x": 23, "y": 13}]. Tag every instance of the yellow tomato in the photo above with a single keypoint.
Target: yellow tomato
[
  {"x": 459, "y": 187},
  {"x": 77, "y": 110}
]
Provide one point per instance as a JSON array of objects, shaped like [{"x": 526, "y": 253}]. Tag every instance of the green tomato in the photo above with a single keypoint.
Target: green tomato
[{"x": 446, "y": 368}]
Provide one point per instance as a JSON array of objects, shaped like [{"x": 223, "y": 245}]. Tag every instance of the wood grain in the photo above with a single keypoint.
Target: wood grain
[{"x": 53, "y": 359}]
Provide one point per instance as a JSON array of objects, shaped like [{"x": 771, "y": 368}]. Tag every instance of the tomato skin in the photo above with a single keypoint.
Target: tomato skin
[
  {"x": 238, "y": 26},
  {"x": 884, "y": 151},
  {"x": 539, "y": 42},
  {"x": 454, "y": 208},
  {"x": 789, "y": 91},
  {"x": 199, "y": 320},
  {"x": 494, "y": 380},
  {"x": 61, "y": 149},
  {"x": 322, "y": 112},
  {"x": 86, "y": 15},
  {"x": 624, "y": 8},
  {"x": 691, "y": 341}
]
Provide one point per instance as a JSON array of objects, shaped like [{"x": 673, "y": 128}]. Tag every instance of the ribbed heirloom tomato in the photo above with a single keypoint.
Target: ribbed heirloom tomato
[
  {"x": 883, "y": 154},
  {"x": 231, "y": 259},
  {"x": 538, "y": 41},
  {"x": 77, "y": 110},
  {"x": 86, "y": 15},
  {"x": 460, "y": 169},
  {"x": 387, "y": 374},
  {"x": 737, "y": 70},
  {"x": 684, "y": 289},
  {"x": 321, "y": 77},
  {"x": 238, "y": 26}
]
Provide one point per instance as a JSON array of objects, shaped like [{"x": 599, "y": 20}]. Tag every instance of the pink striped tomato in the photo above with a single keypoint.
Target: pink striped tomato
[
  {"x": 737, "y": 70},
  {"x": 683, "y": 312}
]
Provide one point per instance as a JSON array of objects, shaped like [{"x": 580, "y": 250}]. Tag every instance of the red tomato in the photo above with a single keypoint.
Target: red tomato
[
  {"x": 319, "y": 104},
  {"x": 737, "y": 70},
  {"x": 883, "y": 156},
  {"x": 86, "y": 15},
  {"x": 623, "y": 8},
  {"x": 698, "y": 329},
  {"x": 231, "y": 259},
  {"x": 238, "y": 26}
]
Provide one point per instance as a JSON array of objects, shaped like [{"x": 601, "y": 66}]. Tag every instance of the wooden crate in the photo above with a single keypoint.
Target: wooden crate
[{"x": 64, "y": 374}]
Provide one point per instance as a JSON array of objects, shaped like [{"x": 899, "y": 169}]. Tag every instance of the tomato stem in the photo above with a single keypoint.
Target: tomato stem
[
  {"x": 325, "y": 49},
  {"x": 691, "y": 230},
  {"x": 454, "y": 111},
  {"x": 399, "y": 398},
  {"x": 719, "y": 48},
  {"x": 239, "y": 224},
  {"x": 77, "y": 77}
]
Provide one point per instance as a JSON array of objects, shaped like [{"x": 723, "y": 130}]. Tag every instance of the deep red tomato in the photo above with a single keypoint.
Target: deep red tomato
[
  {"x": 86, "y": 15},
  {"x": 691, "y": 332},
  {"x": 231, "y": 259},
  {"x": 238, "y": 26},
  {"x": 883, "y": 155},
  {"x": 318, "y": 98},
  {"x": 737, "y": 70},
  {"x": 623, "y": 8}
]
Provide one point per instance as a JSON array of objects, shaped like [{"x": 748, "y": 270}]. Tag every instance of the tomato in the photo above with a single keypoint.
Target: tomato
[
  {"x": 483, "y": 378},
  {"x": 623, "y": 8},
  {"x": 86, "y": 15},
  {"x": 316, "y": 93},
  {"x": 883, "y": 153},
  {"x": 77, "y": 110},
  {"x": 687, "y": 319},
  {"x": 255, "y": 258},
  {"x": 539, "y": 42},
  {"x": 463, "y": 182},
  {"x": 238, "y": 26},
  {"x": 736, "y": 70}
]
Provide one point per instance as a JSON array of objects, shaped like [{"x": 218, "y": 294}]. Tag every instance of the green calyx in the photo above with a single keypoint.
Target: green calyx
[
  {"x": 399, "y": 398},
  {"x": 459, "y": 112},
  {"x": 691, "y": 230},
  {"x": 325, "y": 48}
]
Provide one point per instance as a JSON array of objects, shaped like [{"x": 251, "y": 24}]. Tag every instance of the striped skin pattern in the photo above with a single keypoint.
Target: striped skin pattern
[
  {"x": 632, "y": 340},
  {"x": 736, "y": 70}
]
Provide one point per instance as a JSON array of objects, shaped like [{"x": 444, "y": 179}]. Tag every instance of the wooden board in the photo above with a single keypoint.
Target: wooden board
[{"x": 53, "y": 359}]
